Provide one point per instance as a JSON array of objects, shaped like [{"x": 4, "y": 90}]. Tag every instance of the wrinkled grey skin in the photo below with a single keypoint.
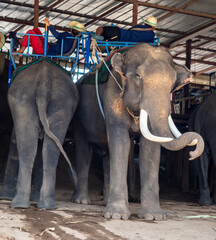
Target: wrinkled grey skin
[
  {"x": 202, "y": 121},
  {"x": 151, "y": 75},
  {"x": 42, "y": 100},
  {"x": 8, "y": 190}
]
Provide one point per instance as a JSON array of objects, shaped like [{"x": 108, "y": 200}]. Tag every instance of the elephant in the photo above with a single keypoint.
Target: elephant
[
  {"x": 202, "y": 121},
  {"x": 6, "y": 122},
  {"x": 135, "y": 101},
  {"x": 42, "y": 100}
]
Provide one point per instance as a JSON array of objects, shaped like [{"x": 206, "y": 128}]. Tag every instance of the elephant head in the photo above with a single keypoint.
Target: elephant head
[{"x": 148, "y": 77}]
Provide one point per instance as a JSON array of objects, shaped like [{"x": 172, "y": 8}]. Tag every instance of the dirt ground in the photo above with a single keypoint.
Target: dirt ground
[{"x": 75, "y": 221}]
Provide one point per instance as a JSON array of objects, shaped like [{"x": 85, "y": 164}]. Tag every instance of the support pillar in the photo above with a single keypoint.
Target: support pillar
[
  {"x": 186, "y": 167},
  {"x": 135, "y": 13},
  {"x": 36, "y": 14},
  {"x": 188, "y": 65}
]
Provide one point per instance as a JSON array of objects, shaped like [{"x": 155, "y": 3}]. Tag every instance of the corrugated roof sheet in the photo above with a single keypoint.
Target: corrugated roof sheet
[{"x": 172, "y": 27}]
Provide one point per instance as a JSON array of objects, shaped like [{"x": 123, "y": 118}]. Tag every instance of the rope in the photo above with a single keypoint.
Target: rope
[
  {"x": 95, "y": 49},
  {"x": 136, "y": 118}
]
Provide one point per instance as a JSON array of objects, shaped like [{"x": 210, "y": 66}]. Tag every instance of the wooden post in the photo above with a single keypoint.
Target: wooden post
[
  {"x": 188, "y": 65},
  {"x": 36, "y": 16},
  {"x": 185, "y": 167},
  {"x": 188, "y": 53},
  {"x": 135, "y": 13}
]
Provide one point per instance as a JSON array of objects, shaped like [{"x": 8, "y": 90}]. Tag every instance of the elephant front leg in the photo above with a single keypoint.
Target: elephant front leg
[
  {"x": 149, "y": 171},
  {"x": 202, "y": 165},
  {"x": 119, "y": 144}
]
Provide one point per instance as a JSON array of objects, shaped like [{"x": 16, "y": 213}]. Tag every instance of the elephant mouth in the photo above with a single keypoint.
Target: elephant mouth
[{"x": 148, "y": 135}]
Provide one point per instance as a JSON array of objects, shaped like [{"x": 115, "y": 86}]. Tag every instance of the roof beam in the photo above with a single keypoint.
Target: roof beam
[
  {"x": 206, "y": 38},
  {"x": 81, "y": 15},
  {"x": 204, "y": 70},
  {"x": 65, "y": 12},
  {"x": 194, "y": 47},
  {"x": 206, "y": 49},
  {"x": 197, "y": 60},
  {"x": 29, "y": 23},
  {"x": 166, "y": 15},
  {"x": 105, "y": 13},
  {"x": 204, "y": 28},
  {"x": 41, "y": 13},
  {"x": 166, "y": 8}
]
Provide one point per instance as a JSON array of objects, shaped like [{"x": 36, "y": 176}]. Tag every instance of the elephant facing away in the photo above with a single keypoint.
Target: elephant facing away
[
  {"x": 137, "y": 101},
  {"x": 42, "y": 100},
  {"x": 203, "y": 121}
]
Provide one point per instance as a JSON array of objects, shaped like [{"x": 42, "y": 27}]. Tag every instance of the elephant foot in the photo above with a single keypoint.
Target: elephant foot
[
  {"x": 6, "y": 194},
  {"x": 47, "y": 203},
  {"x": 20, "y": 201},
  {"x": 204, "y": 198},
  {"x": 118, "y": 210},
  {"x": 151, "y": 213},
  {"x": 214, "y": 195},
  {"x": 35, "y": 196},
  {"x": 105, "y": 201},
  {"x": 205, "y": 201},
  {"x": 80, "y": 198}
]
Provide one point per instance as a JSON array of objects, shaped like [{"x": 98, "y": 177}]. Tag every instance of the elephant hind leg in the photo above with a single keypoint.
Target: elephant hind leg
[
  {"x": 26, "y": 130},
  {"x": 8, "y": 190},
  {"x": 58, "y": 123}
]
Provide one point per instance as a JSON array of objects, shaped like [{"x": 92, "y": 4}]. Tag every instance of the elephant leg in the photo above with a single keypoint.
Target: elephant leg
[
  {"x": 37, "y": 174},
  {"x": 213, "y": 151},
  {"x": 50, "y": 155},
  {"x": 149, "y": 170},
  {"x": 106, "y": 184},
  {"x": 8, "y": 190},
  {"x": 83, "y": 161},
  {"x": 214, "y": 187},
  {"x": 204, "y": 193},
  {"x": 27, "y": 139},
  {"x": 119, "y": 146}
]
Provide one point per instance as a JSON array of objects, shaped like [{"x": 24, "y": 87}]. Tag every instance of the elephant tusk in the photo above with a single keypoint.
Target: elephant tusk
[
  {"x": 145, "y": 131},
  {"x": 173, "y": 128},
  {"x": 176, "y": 132}
]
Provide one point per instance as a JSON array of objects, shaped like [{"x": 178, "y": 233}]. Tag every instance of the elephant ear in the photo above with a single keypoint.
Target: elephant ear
[
  {"x": 117, "y": 62},
  {"x": 183, "y": 76}
]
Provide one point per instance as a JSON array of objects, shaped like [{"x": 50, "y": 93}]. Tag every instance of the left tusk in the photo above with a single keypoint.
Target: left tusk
[{"x": 176, "y": 132}]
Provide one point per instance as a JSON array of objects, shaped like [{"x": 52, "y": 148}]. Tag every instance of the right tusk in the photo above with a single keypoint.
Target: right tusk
[{"x": 145, "y": 131}]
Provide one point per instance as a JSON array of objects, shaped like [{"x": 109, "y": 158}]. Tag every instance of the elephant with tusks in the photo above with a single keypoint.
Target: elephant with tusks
[
  {"x": 135, "y": 100},
  {"x": 42, "y": 99}
]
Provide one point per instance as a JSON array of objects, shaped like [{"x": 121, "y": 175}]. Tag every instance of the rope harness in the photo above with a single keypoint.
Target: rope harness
[{"x": 95, "y": 49}]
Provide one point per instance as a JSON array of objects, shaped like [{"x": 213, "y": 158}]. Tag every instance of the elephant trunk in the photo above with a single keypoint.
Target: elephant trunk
[
  {"x": 166, "y": 139},
  {"x": 184, "y": 140}
]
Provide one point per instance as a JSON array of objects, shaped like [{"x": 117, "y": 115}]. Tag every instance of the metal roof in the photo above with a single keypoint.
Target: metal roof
[{"x": 179, "y": 21}]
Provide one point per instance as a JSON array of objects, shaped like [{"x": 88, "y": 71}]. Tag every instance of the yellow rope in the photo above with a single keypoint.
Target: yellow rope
[{"x": 94, "y": 47}]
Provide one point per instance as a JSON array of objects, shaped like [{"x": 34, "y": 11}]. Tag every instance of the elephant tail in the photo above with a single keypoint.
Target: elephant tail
[{"x": 42, "y": 100}]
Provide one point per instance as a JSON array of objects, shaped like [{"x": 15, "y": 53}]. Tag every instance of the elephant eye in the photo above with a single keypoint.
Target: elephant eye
[{"x": 138, "y": 76}]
